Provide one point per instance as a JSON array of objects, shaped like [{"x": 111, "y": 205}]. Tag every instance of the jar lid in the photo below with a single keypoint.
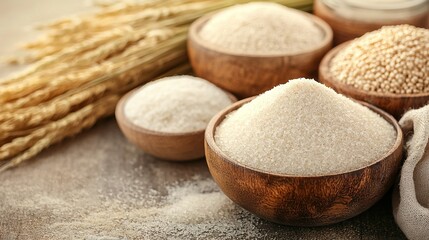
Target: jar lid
[
  {"x": 385, "y": 4},
  {"x": 378, "y": 10}
]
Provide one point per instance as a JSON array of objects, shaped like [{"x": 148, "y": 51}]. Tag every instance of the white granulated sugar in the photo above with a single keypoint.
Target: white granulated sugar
[
  {"x": 176, "y": 104},
  {"x": 304, "y": 128},
  {"x": 196, "y": 202},
  {"x": 262, "y": 28}
]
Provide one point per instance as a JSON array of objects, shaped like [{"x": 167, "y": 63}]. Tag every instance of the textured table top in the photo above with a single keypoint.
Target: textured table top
[{"x": 42, "y": 198}]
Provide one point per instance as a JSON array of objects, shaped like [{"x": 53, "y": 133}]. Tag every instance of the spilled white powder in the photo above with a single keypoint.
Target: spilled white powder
[
  {"x": 176, "y": 104},
  {"x": 262, "y": 28},
  {"x": 304, "y": 128},
  {"x": 194, "y": 209}
]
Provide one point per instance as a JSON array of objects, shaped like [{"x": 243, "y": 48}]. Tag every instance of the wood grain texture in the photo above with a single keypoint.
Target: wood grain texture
[
  {"x": 395, "y": 104},
  {"x": 303, "y": 201},
  {"x": 348, "y": 29},
  {"x": 168, "y": 146},
  {"x": 249, "y": 75}
]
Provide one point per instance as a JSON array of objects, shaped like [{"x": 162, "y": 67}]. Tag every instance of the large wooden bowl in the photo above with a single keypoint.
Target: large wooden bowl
[
  {"x": 395, "y": 104},
  {"x": 297, "y": 200},
  {"x": 247, "y": 75},
  {"x": 168, "y": 146}
]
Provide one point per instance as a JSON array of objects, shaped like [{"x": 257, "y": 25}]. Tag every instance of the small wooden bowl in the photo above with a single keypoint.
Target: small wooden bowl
[
  {"x": 247, "y": 75},
  {"x": 298, "y": 200},
  {"x": 168, "y": 146},
  {"x": 347, "y": 29},
  {"x": 395, "y": 104}
]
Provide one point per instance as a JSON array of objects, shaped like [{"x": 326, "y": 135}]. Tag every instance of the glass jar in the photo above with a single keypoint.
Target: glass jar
[{"x": 353, "y": 18}]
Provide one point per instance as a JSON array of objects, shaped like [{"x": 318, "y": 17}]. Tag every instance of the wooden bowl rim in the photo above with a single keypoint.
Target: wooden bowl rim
[
  {"x": 120, "y": 116},
  {"x": 217, "y": 120},
  {"x": 328, "y": 76},
  {"x": 199, "y": 23}
]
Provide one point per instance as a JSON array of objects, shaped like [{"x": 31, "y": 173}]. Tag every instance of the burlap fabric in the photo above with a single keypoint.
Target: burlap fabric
[{"x": 411, "y": 197}]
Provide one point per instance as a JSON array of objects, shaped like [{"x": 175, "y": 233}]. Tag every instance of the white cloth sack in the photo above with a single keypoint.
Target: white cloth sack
[{"x": 411, "y": 198}]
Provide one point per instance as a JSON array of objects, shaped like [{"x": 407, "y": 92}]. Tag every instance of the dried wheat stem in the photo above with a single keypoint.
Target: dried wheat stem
[
  {"x": 53, "y": 88},
  {"x": 66, "y": 127},
  {"x": 124, "y": 7},
  {"x": 72, "y": 80},
  {"x": 58, "y": 40},
  {"x": 69, "y": 53},
  {"x": 61, "y": 37},
  {"x": 117, "y": 9},
  {"x": 22, "y": 88},
  {"x": 78, "y": 28},
  {"x": 164, "y": 49},
  {"x": 40, "y": 115},
  {"x": 111, "y": 48},
  {"x": 160, "y": 13},
  {"x": 147, "y": 37},
  {"x": 75, "y": 78},
  {"x": 142, "y": 76}
]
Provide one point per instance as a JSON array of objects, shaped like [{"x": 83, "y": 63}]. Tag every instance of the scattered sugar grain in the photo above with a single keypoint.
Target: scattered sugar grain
[
  {"x": 190, "y": 209},
  {"x": 261, "y": 28},
  {"x": 304, "y": 128},
  {"x": 176, "y": 104}
]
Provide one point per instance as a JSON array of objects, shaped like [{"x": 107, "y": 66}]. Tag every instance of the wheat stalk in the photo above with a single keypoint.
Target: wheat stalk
[
  {"x": 56, "y": 131},
  {"x": 74, "y": 79}
]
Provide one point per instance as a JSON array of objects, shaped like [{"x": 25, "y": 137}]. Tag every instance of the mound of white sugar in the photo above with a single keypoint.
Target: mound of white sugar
[
  {"x": 176, "y": 104},
  {"x": 261, "y": 28},
  {"x": 304, "y": 128}
]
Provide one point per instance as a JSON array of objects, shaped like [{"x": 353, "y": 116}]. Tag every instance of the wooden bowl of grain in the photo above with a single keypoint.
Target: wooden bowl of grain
[
  {"x": 247, "y": 75},
  {"x": 395, "y": 104},
  {"x": 302, "y": 200},
  {"x": 168, "y": 146}
]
